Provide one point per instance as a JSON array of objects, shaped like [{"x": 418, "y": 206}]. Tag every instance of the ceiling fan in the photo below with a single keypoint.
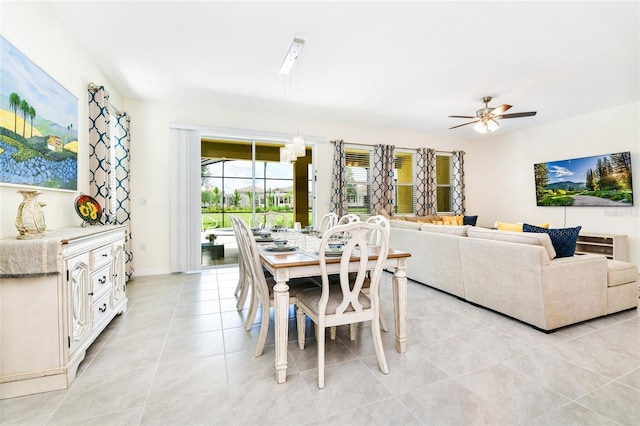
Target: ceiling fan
[{"x": 486, "y": 118}]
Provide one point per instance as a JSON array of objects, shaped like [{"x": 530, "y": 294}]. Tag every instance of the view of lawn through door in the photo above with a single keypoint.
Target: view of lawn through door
[{"x": 234, "y": 183}]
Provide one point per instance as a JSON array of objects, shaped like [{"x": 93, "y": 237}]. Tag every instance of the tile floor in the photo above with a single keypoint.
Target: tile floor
[{"x": 179, "y": 356}]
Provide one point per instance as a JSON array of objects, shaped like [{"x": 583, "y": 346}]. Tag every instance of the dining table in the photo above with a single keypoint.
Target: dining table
[{"x": 302, "y": 260}]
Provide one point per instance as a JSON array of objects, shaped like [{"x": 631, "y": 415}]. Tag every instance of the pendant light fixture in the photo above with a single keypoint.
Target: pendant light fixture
[{"x": 290, "y": 152}]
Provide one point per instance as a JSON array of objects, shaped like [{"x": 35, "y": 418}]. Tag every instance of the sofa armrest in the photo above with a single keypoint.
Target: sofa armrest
[{"x": 574, "y": 289}]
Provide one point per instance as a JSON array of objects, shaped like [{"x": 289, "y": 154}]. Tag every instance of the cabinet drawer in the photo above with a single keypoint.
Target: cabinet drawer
[
  {"x": 100, "y": 282},
  {"x": 101, "y": 310},
  {"x": 100, "y": 256}
]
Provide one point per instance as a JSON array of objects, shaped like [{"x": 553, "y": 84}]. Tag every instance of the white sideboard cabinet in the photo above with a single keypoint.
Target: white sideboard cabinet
[{"x": 57, "y": 294}]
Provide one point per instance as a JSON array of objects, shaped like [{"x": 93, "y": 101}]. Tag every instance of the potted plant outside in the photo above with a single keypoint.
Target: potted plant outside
[{"x": 217, "y": 250}]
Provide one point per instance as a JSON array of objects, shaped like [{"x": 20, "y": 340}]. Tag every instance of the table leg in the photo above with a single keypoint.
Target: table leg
[
  {"x": 400, "y": 304},
  {"x": 281, "y": 326}
]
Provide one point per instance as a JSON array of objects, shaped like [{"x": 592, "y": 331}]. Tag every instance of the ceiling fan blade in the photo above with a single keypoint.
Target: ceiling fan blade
[
  {"x": 517, "y": 115},
  {"x": 462, "y": 116},
  {"x": 460, "y": 125},
  {"x": 499, "y": 110}
]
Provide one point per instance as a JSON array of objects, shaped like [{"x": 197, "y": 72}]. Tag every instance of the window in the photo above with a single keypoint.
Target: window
[
  {"x": 444, "y": 177},
  {"x": 358, "y": 175}
]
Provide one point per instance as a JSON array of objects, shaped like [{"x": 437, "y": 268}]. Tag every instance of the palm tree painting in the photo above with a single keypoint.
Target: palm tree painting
[{"x": 38, "y": 125}]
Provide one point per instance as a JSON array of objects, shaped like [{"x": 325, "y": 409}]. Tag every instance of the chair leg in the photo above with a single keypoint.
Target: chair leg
[
  {"x": 253, "y": 309},
  {"x": 264, "y": 330},
  {"x": 332, "y": 333},
  {"x": 377, "y": 343},
  {"x": 301, "y": 319},
  {"x": 244, "y": 290},
  {"x": 383, "y": 322},
  {"x": 321, "y": 357},
  {"x": 352, "y": 331}
]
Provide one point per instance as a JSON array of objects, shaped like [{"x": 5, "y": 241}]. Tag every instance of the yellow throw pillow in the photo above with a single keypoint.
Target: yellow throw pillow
[
  {"x": 513, "y": 227},
  {"x": 517, "y": 227},
  {"x": 452, "y": 220}
]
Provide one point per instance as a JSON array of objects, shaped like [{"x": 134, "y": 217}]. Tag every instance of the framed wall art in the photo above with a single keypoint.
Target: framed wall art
[{"x": 38, "y": 125}]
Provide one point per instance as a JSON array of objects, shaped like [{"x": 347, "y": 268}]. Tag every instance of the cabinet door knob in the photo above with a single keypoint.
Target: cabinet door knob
[
  {"x": 104, "y": 307},
  {"x": 102, "y": 280}
]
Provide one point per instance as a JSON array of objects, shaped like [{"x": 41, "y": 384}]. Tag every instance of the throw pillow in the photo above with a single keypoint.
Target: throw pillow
[
  {"x": 563, "y": 239},
  {"x": 452, "y": 220},
  {"x": 517, "y": 227},
  {"x": 513, "y": 227},
  {"x": 469, "y": 220}
]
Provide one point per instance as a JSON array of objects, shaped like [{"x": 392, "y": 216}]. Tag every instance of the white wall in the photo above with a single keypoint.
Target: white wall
[
  {"x": 499, "y": 172},
  {"x": 150, "y": 162},
  {"x": 28, "y": 26}
]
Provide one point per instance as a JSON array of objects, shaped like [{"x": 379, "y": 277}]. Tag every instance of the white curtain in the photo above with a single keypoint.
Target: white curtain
[{"x": 186, "y": 250}]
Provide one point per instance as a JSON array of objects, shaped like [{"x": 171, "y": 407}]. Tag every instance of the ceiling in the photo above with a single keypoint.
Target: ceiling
[{"x": 401, "y": 65}]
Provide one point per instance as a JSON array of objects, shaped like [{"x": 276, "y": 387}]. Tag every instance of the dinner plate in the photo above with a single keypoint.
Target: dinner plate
[
  {"x": 264, "y": 240},
  {"x": 280, "y": 248},
  {"x": 333, "y": 253}
]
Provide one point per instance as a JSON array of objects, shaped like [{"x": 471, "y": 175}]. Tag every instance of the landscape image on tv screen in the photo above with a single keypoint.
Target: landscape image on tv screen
[{"x": 601, "y": 180}]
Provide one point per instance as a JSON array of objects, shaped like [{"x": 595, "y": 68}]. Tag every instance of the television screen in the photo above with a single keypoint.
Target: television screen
[{"x": 601, "y": 180}]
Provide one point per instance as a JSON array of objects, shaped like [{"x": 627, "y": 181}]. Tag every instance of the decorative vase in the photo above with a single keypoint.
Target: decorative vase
[{"x": 30, "y": 217}]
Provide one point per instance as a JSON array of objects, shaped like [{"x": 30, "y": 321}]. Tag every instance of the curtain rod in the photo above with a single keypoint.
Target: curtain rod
[
  {"x": 94, "y": 88},
  {"x": 399, "y": 147}
]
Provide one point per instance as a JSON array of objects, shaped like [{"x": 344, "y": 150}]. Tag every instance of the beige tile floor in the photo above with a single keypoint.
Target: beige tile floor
[{"x": 179, "y": 356}]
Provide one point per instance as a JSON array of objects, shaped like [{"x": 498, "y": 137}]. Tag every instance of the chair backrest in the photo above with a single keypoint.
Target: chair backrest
[
  {"x": 349, "y": 218},
  {"x": 248, "y": 249},
  {"x": 272, "y": 218},
  {"x": 374, "y": 236},
  {"x": 357, "y": 246},
  {"x": 327, "y": 222}
]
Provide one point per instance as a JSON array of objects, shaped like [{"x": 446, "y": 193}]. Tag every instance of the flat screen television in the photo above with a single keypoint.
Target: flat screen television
[{"x": 600, "y": 180}]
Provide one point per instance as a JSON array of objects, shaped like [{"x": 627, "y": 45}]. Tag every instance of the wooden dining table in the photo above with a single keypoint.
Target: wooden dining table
[{"x": 304, "y": 262}]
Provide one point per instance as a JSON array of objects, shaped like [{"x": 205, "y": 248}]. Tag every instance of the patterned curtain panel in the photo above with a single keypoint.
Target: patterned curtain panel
[
  {"x": 457, "y": 190},
  {"x": 382, "y": 181},
  {"x": 121, "y": 177},
  {"x": 100, "y": 152},
  {"x": 109, "y": 171},
  {"x": 426, "y": 202},
  {"x": 339, "y": 179}
]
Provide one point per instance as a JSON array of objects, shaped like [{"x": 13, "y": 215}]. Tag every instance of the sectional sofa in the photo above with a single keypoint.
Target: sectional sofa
[{"x": 516, "y": 273}]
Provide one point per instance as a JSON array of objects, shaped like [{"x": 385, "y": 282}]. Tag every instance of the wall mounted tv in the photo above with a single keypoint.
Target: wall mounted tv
[{"x": 601, "y": 180}]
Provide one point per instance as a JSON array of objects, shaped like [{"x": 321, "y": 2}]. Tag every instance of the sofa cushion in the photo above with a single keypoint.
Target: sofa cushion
[
  {"x": 405, "y": 224},
  {"x": 460, "y": 231},
  {"x": 619, "y": 272},
  {"x": 563, "y": 239},
  {"x": 542, "y": 240},
  {"x": 423, "y": 219},
  {"x": 470, "y": 220}
]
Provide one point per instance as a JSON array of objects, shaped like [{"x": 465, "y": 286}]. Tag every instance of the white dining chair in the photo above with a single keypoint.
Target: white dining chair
[
  {"x": 374, "y": 236},
  {"x": 262, "y": 287},
  {"x": 244, "y": 279},
  {"x": 327, "y": 222},
  {"x": 346, "y": 303},
  {"x": 349, "y": 218}
]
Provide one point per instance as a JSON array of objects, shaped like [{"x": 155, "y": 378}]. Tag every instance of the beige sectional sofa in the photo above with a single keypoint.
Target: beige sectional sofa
[{"x": 516, "y": 273}]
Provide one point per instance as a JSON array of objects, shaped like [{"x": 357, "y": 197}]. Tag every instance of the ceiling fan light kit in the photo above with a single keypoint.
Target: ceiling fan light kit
[{"x": 485, "y": 119}]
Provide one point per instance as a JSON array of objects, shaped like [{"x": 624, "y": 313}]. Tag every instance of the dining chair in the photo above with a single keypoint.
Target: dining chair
[
  {"x": 262, "y": 287},
  {"x": 374, "y": 239},
  {"x": 244, "y": 279},
  {"x": 348, "y": 218},
  {"x": 346, "y": 303},
  {"x": 327, "y": 222},
  {"x": 274, "y": 219}
]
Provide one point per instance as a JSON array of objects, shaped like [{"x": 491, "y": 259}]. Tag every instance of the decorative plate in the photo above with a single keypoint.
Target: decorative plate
[
  {"x": 280, "y": 248},
  {"x": 88, "y": 208}
]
